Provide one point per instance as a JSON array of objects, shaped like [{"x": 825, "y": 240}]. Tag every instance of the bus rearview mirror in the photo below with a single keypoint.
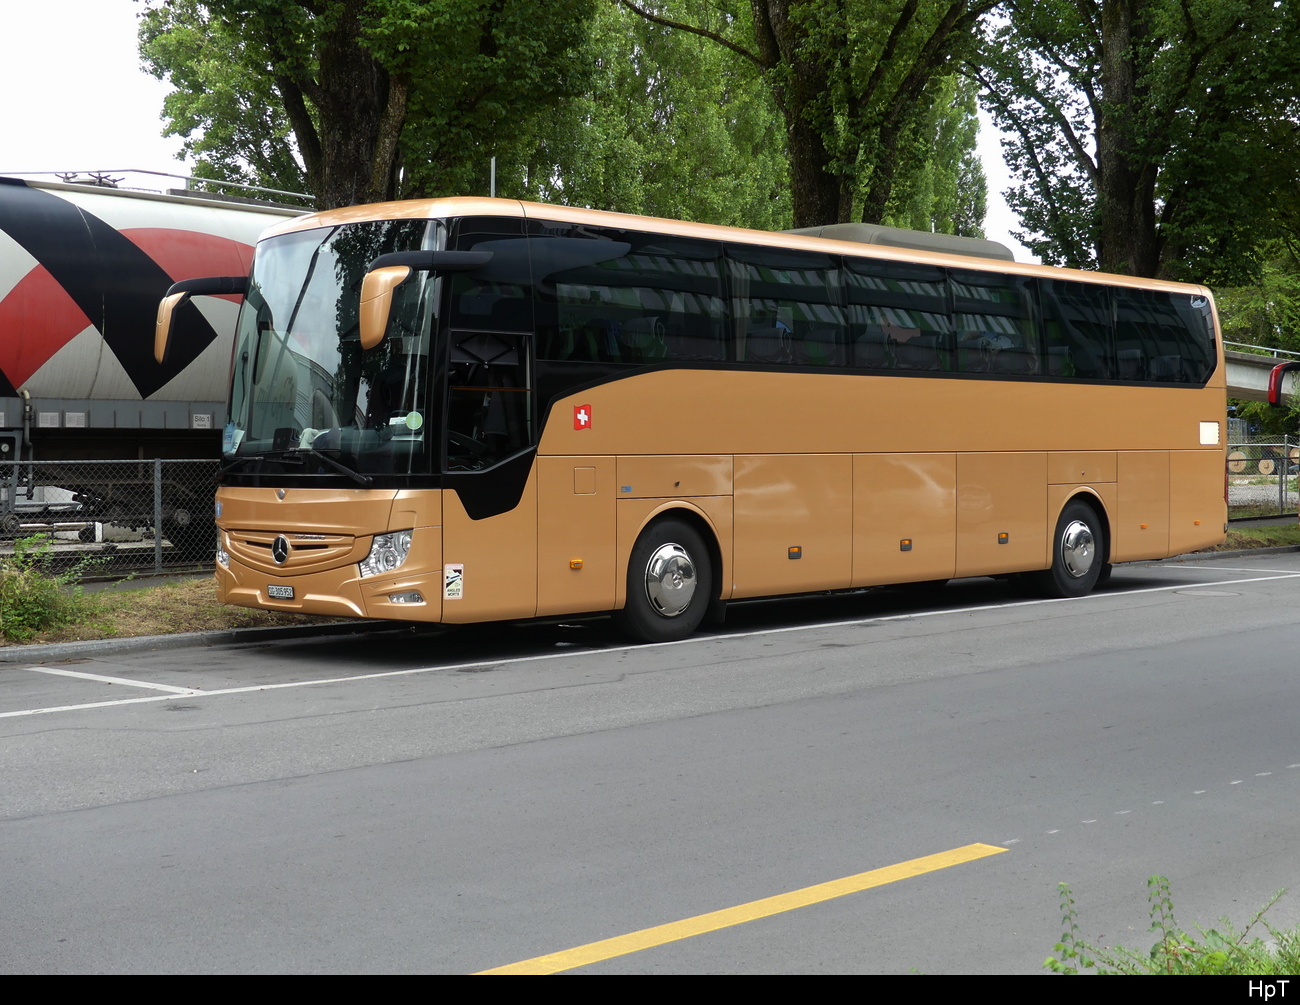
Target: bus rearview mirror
[
  {"x": 387, "y": 272},
  {"x": 178, "y": 293},
  {"x": 162, "y": 331},
  {"x": 377, "y": 302}
]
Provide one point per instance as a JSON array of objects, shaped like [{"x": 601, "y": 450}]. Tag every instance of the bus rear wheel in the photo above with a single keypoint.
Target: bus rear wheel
[
  {"x": 1078, "y": 554},
  {"x": 669, "y": 583}
]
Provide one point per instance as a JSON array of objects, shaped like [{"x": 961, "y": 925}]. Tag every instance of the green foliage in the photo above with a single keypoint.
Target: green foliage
[
  {"x": 33, "y": 600},
  {"x": 1153, "y": 138},
  {"x": 1175, "y": 952},
  {"x": 487, "y": 78},
  {"x": 364, "y": 99},
  {"x": 750, "y": 110},
  {"x": 856, "y": 83},
  {"x": 225, "y": 104},
  {"x": 669, "y": 125},
  {"x": 1266, "y": 312},
  {"x": 870, "y": 76},
  {"x": 1270, "y": 420},
  {"x": 940, "y": 185}
]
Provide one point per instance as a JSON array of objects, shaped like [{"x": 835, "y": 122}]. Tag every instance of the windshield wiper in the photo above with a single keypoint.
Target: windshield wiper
[
  {"x": 239, "y": 462},
  {"x": 356, "y": 476},
  {"x": 296, "y": 456}
]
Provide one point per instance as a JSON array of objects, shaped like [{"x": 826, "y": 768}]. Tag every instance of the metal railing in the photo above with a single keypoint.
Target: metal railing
[
  {"x": 118, "y": 517},
  {"x": 1261, "y": 350}
]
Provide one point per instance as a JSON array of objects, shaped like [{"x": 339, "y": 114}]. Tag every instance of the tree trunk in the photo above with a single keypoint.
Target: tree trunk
[
  {"x": 815, "y": 192},
  {"x": 800, "y": 85},
  {"x": 1128, "y": 239},
  {"x": 353, "y": 107},
  {"x": 350, "y": 148}
]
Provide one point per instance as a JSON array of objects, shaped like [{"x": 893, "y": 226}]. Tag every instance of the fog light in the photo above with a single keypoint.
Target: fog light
[
  {"x": 411, "y": 597},
  {"x": 387, "y": 552}
]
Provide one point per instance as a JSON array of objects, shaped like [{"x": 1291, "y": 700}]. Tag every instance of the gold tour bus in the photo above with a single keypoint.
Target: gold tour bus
[{"x": 465, "y": 410}]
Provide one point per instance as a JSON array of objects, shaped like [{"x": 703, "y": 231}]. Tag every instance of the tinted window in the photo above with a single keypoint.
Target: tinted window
[
  {"x": 1163, "y": 337},
  {"x": 1077, "y": 330},
  {"x": 994, "y": 323},
  {"x": 786, "y": 307},
  {"x": 625, "y": 297},
  {"x": 498, "y": 297},
  {"x": 899, "y": 315}
]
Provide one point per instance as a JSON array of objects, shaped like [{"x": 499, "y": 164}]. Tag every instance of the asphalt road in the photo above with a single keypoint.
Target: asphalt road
[{"x": 457, "y": 801}]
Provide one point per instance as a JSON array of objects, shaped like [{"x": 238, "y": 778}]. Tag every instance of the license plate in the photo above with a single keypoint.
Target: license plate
[{"x": 280, "y": 592}]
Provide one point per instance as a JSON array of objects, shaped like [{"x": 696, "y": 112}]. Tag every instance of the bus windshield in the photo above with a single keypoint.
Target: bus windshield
[{"x": 304, "y": 393}]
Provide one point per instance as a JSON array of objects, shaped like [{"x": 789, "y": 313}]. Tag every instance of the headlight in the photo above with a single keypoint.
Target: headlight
[{"x": 387, "y": 552}]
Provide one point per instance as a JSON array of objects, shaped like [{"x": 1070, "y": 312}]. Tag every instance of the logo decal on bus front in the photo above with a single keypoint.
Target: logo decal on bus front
[
  {"x": 581, "y": 416},
  {"x": 453, "y": 583}
]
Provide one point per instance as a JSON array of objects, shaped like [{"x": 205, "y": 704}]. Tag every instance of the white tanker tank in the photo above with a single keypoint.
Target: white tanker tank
[{"x": 82, "y": 269}]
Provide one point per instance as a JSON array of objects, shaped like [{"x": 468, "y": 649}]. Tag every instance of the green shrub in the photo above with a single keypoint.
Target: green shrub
[
  {"x": 1225, "y": 951},
  {"x": 32, "y": 599}
]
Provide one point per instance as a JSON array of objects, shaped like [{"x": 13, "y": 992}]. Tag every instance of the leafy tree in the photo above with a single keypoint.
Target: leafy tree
[
  {"x": 670, "y": 125},
  {"x": 941, "y": 185},
  {"x": 494, "y": 72},
  {"x": 349, "y": 78},
  {"x": 853, "y": 80},
  {"x": 1265, "y": 313},
  {"x": 1149, "y": 137},
  {"x": 235, "y": 126}
]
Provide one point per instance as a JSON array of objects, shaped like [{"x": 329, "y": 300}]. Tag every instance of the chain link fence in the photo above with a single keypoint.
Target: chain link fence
[
  {"x": 116, "y": 517},
  {"x": 1262, "y": 476}
]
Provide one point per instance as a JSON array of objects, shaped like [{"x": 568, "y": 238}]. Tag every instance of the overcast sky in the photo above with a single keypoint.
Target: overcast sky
[{"x": 77, "y": 100}]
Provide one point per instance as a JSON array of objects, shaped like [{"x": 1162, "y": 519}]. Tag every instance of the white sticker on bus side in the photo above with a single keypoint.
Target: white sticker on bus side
[{"x": 453, "y": 582}]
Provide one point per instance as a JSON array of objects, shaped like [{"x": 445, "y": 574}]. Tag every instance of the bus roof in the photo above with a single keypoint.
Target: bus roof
[
  {"x": 843, "y": 239},
  {"x": 915, "y": 240}
]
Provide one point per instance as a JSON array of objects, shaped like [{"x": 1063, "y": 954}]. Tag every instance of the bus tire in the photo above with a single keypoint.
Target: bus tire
[
  {"x": 1078, "y": 554},
  {"x": 669, "y": 583}
]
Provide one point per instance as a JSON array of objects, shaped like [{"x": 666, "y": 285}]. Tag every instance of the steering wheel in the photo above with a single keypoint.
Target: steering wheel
[{"x": 466, "y": 443}]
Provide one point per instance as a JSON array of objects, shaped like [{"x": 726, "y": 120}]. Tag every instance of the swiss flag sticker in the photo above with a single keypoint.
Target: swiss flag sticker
[{"x": 581, "y": 416}]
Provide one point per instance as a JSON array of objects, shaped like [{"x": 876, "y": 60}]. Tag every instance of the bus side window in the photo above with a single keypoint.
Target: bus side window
[
  {"x": 1077, "y": 330},
  {"x": 786, "y": 307},
  {"x": 627, "y": 297},
  {"x": 1130, "y": 341},
  {"x": 871, "y": 346},
  {"x": 1196, "y": 336},
  {"x": 1171, "y": 333},
  {"x": 898, "y": 314},
  {"x": 995, "y": 323}
]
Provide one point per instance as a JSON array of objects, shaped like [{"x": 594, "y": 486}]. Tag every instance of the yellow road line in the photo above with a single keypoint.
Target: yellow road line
[{"x": 622, "y": 945}]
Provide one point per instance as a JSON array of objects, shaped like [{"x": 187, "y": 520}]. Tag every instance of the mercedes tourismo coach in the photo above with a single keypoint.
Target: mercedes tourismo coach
[{"x": 465, "y": 410}]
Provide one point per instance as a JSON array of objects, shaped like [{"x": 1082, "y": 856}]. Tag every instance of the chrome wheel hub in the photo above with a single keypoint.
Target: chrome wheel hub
[
  {"x": 670, "y": 580},
  {"x": 1078, "y": 549}
]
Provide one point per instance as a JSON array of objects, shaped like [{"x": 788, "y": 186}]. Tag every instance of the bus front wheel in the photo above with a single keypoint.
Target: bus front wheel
[
  {"x": 669, "y": 583},
  {"x": 1078, "y": 554}
]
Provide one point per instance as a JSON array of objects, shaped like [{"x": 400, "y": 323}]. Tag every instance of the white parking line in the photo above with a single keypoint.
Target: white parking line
[
  {"x": 578, "y": 653},
  {"x": 1226, "y": 568},
  {"x": 111, "y": 680}
]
